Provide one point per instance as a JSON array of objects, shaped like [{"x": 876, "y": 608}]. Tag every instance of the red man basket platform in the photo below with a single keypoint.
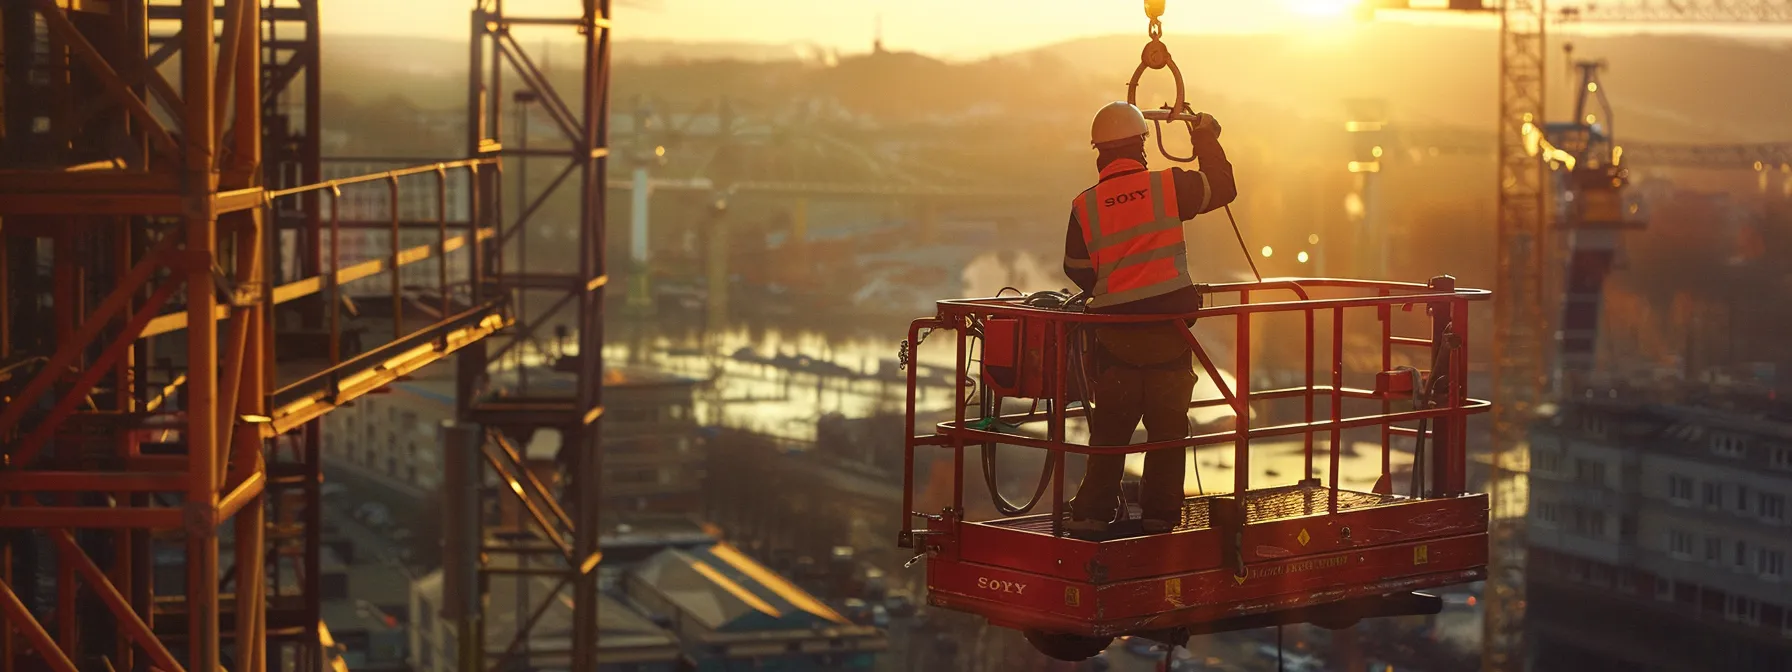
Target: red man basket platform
[{"x": 1303, "y": 551}]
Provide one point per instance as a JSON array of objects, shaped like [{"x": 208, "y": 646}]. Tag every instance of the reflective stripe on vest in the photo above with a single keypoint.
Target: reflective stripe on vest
[{"x": 1131, "y": 226}]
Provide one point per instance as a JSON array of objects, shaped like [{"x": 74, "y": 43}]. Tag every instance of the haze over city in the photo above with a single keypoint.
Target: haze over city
[
  {"x": 941, "y": 28},
  {"x": 895, "y": 336}
]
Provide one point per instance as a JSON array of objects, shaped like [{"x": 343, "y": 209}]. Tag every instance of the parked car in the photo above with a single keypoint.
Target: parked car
[
  {"x": 1144, "y": 648},
  {"x": 873, "y": 583},
  {"x": 1459, "y": 599},
  {"x": 900, "y": 604},
  {"x": 1292, "y": 661},
  {"x": 856, "y": 610},
  {"x": 374, "y": 514}
]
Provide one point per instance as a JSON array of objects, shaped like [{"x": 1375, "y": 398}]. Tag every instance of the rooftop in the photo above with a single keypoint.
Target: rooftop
[
  {"x": 726, "y": 592},
  {"x": 1757, "y": 439},
  {"x": 625, "y": 634},
  {"x": 1761, "y": 414}
]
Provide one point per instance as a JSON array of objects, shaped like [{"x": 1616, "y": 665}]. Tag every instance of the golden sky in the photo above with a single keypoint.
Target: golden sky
[
  {"x": 948, "y": 28},
  {"x": 943, "y": 27}
]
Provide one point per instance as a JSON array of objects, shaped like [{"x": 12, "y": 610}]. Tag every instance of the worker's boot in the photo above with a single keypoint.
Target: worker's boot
[
  {"x": 1081, "y": 527},
  {"x": 1091, "y": 526},
  {"x": 1156, "y": 525}
]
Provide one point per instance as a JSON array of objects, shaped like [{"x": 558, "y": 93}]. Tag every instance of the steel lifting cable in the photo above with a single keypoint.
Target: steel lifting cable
[{"x": 1156, "y": 56}]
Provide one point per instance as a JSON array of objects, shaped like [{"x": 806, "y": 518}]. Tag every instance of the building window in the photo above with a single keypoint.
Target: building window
[
  {"x": 1549, "y": 513},
  {"x": 1742, "y": 499},
  {"x": 1664, "y": 589},
  {"x": 1680, "y": 544},
  {"x": 1714, "y": 550},
  {"x": 1770, "y": 563},
  {"x": 1714, "y": 495},
  {"x": 1741, "y": 554},
  {"x": 1548, "y": 461},
  {"x": 637, "y": 475},
  {"x": 1600, "y": 574},
  {"x": 1727, "y": 446},
  {"x": 1772, "y": 507},
  {"x": 1782, "y": 458},
  {"x": 1593, "y": 424},
  {"x": 1592, "y": 524},
  {"x": 1680, "y": 488},
  {"x": 1742, "y": 610},
  {"x": 1589, "y": 472}
]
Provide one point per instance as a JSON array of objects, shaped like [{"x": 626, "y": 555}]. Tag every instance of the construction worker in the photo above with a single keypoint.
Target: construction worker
[{"x": 1125, "y": 249}]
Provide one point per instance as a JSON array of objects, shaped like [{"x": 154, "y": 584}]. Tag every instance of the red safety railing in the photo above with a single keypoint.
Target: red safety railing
[{"x": 1444, "y": 390}]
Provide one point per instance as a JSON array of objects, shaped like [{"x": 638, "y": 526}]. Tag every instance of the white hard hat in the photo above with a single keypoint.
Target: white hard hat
[{"x": 1115, "y": 122}]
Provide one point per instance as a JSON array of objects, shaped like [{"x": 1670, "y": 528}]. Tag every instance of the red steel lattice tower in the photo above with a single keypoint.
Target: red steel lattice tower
[{"x": 172, "y": 325}]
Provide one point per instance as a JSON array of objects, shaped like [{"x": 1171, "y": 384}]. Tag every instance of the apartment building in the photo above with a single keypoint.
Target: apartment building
[
  {"x": 1659, "y": 537},
  {"x": 654, "y": 457}
]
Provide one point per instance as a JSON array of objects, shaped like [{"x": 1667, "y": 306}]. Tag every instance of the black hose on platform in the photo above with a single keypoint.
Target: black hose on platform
[
  {"x": 989, "y": 410},
  {"x": 1002, "y": 504},
  {"x": 1423, "y": 401}
]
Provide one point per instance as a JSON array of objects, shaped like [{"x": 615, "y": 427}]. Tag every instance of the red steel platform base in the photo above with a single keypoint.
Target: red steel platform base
[{"x": 1376, "y": 547}]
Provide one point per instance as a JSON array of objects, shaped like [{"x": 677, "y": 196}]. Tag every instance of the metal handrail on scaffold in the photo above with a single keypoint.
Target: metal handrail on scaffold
[{"x": 1447, "y": 304}]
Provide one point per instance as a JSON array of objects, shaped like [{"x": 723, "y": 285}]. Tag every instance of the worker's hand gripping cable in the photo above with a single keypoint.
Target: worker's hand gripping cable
[{"x": 1156, "y": 56}]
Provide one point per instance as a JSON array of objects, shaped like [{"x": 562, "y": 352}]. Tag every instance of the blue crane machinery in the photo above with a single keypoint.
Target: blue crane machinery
[{"x": 1523, "y": 252}]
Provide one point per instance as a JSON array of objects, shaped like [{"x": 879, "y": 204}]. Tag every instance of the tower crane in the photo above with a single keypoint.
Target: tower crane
[
  {"x": 1757, "y": 156},
  {"x": 1520, "y": 377}
]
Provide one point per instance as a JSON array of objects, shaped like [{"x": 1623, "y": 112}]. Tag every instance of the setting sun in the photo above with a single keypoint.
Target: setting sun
[{"x": 1322, "y": 8}]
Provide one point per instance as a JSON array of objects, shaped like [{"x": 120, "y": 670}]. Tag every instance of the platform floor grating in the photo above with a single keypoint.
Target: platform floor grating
[{"x": 1264, "y": 505}]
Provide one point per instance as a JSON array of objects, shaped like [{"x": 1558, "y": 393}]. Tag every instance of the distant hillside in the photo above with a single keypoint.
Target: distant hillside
[{"x": 1664, "y": 88}]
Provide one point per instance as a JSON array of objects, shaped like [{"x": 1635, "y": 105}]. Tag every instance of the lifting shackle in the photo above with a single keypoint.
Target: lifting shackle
[{"x": 1156, "y": 56}]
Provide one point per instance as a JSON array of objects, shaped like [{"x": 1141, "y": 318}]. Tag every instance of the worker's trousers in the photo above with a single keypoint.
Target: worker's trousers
[{"x": 1123, "y": 395}]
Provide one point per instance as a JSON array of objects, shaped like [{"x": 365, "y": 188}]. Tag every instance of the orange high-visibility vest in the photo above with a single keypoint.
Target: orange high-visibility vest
[{"x": 1134, "y": 234}]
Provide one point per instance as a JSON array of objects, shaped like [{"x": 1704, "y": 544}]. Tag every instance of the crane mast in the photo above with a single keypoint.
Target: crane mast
[
  {"x": 1518, "y": 341},
  {"x": 1520, "y": 376}
]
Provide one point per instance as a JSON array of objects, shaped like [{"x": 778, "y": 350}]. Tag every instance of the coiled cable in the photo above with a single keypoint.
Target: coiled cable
[{"x": 991, "y": 412}]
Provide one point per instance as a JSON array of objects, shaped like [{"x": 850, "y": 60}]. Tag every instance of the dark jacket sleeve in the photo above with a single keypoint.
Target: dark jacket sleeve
[
  {"x": 1209, "y": 189},
  {"x": 1076, "y": 256}
]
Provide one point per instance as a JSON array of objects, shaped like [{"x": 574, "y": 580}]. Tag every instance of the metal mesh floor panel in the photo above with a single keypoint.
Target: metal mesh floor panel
[{"x": 1264, "y": 505}]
